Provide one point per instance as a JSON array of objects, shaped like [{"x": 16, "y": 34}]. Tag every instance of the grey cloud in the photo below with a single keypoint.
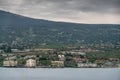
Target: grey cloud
[
  {"x": 80, "y": 5},
  {"x": 69, "y": 9},
  {"x": 101, "y": 6}
]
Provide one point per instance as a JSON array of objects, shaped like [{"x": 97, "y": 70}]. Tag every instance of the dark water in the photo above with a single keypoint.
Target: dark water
[{"x": 59, "y": 74}]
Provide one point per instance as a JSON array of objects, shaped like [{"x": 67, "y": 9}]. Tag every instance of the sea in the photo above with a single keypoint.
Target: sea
[{"x": 59, "y": 73}]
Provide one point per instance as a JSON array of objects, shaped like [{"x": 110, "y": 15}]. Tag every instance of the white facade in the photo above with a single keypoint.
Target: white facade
[
  {"x": 10, "y": 63},
  {"x": 61, "y": 57},
  {"x": 30, "y": 63},
  {"x": 86, "y": 65}
]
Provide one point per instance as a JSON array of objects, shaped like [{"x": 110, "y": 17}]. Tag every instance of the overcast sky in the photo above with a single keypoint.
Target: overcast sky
[{"x": 80, "y": 11}]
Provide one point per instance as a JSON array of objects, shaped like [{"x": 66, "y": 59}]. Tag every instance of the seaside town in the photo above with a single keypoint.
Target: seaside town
[
  {"x": 37, "y": 43},
  {"x": 51, "y": 58}
]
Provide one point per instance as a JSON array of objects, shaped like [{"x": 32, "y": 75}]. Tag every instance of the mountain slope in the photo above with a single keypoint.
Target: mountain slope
[{"x": 19, "y": 30}]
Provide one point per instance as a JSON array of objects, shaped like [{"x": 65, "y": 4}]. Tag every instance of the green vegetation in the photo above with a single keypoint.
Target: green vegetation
[
  {"x": 21, "y": 62},
  {"x": 45, "y": 62},
  {"x": 104, "y": 52},
  {"x": 71, "y": 64},
  {"x": 104, "y": 55},
  {"x": 6, "y": 48},
  {"x": 1, "y": 60},
  {"x": 18, "y": 32},
  {"x": 23, "y": 32}
]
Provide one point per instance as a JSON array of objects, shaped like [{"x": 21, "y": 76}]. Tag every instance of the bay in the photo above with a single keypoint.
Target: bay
[{"x": 59, "y": 74}]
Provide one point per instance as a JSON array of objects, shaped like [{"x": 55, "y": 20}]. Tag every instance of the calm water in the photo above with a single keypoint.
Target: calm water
[{"x": 59, "y": 74}]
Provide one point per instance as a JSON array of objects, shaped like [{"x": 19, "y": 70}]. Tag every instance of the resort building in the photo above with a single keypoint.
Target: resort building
[
  {"x": 30, "y": 63},
  {"x": 10, "y": 63},
  {"x": 57, "y": 63}
]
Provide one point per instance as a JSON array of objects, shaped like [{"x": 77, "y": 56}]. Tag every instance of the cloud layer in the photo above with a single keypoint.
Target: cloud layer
[{"x": 81, "y": 11}]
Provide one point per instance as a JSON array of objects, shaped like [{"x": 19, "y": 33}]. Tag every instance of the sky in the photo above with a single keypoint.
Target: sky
[{"x": 78, "y": 11}]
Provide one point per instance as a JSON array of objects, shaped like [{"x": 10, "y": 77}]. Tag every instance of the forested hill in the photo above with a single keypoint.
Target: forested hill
[{"x": 24, "y": 31}]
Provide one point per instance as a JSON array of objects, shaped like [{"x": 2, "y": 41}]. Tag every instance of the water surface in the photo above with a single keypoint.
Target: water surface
[{"x": 59, "y": 74}]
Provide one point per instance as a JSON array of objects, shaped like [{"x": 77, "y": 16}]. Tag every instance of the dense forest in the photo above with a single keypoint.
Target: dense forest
[{"x": 17, "y": 30}]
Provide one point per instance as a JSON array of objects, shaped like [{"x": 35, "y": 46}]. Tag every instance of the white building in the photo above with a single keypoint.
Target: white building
[
  {"x": 57, "y": 63},
  {"x": 61, "y": 57},
  {"x": 10, "y": 63},
  {"x": 31, "y": 63},
  {"x": 86, "y": 65}
]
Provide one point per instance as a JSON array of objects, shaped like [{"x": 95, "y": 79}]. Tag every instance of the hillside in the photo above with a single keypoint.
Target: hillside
[{"x": 18, "y": 30}]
